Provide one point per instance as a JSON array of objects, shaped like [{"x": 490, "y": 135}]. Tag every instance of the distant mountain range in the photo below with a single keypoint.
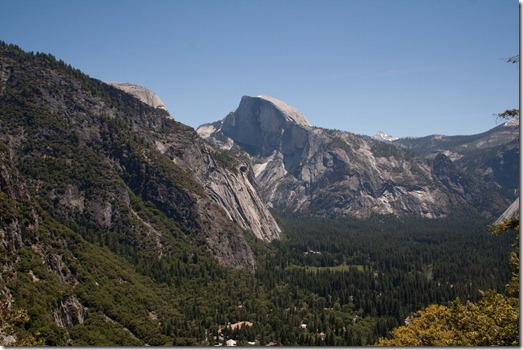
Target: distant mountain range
[{"x": 492, "y": 155}]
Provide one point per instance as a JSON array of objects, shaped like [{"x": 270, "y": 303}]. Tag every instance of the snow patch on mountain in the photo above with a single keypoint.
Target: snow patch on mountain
[{"x": 381, "y": 136}]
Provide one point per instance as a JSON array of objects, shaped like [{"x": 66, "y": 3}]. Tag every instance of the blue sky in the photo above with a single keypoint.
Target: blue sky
[{"x": 406, "y": 67}]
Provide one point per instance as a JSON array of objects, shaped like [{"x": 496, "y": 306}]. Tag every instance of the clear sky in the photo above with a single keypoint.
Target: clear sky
[{"x": 405, "y": 67}]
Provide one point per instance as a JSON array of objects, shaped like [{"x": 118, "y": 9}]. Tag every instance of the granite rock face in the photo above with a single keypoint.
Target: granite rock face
[
  {"x": 143, "y": 94},
  {"x": 512, "y": 212},
  {"x": 333, "y": 173},
  {"x": 227, "y": 180},
  {"x": 262, "y": 125},
  {"x": 231, "y": 188}
]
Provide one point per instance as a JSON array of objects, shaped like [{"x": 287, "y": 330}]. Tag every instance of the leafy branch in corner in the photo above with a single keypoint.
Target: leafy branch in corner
[
  {"x": 510, "y": 113},
  {"x": 513, "y": 59}
]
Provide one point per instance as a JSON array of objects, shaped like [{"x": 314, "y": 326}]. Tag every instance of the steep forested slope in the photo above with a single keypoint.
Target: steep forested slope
[
  {"x": 87, "y": 149},
  {"x": 98, "y": 204}
]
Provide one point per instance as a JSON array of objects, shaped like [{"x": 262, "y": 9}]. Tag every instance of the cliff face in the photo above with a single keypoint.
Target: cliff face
[
  {"x": 15, "y": 199},
  {"x": 512, "y": 212},
  {"x": 263, "y": 125},
  {"x": 334, "y": 173},
  {"x": 228, "y": 181},
  {"x": 21, "y": 220},
  {"x": 92, "y": 153}
]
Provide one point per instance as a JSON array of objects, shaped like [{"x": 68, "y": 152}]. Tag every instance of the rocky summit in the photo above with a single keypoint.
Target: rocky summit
[
  {"x": 143, "y": 94},
  {"x": 334, "y": 173}
]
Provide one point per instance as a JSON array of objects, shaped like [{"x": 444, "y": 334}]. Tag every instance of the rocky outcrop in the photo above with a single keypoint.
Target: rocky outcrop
[
  {"x": 69, "y": 312},
  {"x": 334, "y": 173},
  {"x": 145, "y": 95},
  {"x": 511, "y": 213},
  {"x": 5, "y": 74},
  {"x": 230, "y": 183},
  {"x": 15, "y": 199}
]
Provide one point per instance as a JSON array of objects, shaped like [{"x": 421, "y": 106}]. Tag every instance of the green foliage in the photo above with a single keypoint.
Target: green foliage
[
  {"x": 509, "y": 114},
  {"x": 386, "y": 150},
  {"x": 512, "y": 226},
  {"x": 11, "y": 332},
  {"x": 99, "y": 330},
  {"x": 227, "y": 160},
  {"x": 513, "y": 59},
  {"x": 492, "y": 321},
  {"x": 338, "y": 143}
]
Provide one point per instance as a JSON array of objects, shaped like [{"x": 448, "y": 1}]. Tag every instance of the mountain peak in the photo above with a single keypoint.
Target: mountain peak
[
  {"x": 290, "y": 113},
  {"x": 143, "y": 94},
  {"x": 381, "y": 136}
]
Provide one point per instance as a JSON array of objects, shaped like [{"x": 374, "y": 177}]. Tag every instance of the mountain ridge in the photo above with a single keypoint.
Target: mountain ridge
[
  {"x": 492, "y": 155},
  {"x": 130, "y": 145},
  {"x": 335, "y": 173}
]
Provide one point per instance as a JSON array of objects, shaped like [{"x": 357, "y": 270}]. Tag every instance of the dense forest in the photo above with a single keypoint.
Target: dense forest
[
  {"x": 379, "y": 271},
  {"x": 329, "y": 282}
]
